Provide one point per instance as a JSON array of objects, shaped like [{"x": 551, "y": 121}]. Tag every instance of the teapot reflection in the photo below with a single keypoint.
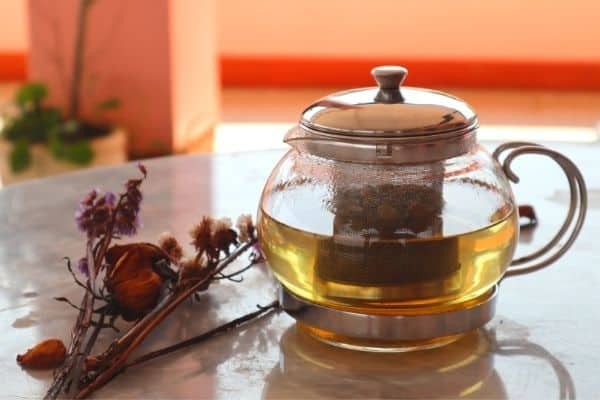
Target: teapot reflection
[{"x": 465, "y": 369}]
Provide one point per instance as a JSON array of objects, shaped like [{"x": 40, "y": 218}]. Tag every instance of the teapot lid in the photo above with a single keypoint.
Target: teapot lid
[{"x": 389, "y": 110}]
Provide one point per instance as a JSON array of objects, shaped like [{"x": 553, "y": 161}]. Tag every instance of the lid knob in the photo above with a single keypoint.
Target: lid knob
[{"x": 389, "y": 78}]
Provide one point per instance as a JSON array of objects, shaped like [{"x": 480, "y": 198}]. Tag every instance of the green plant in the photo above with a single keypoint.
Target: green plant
[
  {"x": 67, "y": 136},
  {"x": 79, "y": 152},
  {"x": 19, "y": 156},
  {"x": 33, "y": 122},
  {"x": 36, "y": 123}
]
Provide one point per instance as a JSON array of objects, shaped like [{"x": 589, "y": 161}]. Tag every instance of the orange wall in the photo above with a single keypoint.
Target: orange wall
[
  {"x": 463, "y": 29},
  {"x": 491, "y": 43},
  {"x": 515, "y": 29},
  {"x": 13, "y": 28}
]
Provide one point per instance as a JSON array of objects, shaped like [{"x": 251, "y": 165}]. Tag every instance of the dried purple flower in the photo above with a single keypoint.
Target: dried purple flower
[
  {"x": 127, "y": 223},
  {"x": 143, "y": 169},
  {"x": 83, "y": 267},
  {"x": 110, "y": 198},
  {"x": 94, "y": 214},
  {"x": 127, "y": 218}
]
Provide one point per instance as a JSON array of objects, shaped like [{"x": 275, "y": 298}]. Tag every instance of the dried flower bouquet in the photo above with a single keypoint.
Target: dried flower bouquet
[{"x": 139, "y": 282}]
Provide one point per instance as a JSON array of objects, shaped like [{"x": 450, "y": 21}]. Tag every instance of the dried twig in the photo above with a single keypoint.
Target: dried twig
[
  {"x": 239, "y": 272},
  {"x": 221, "y": 329}
]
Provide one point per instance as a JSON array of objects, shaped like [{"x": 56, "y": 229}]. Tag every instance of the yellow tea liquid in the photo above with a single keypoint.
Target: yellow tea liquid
[{"x": 374, "y": 275}]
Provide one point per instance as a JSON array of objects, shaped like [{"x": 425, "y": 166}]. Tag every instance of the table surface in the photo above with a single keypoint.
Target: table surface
[{"x": 542, "y": 344}]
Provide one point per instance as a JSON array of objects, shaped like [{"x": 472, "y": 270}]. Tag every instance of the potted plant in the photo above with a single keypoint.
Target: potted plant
[{"x": 38, "y": 140}]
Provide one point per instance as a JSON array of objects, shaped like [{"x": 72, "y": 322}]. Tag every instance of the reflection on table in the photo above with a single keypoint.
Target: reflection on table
[{"x": 309, "y": 368}]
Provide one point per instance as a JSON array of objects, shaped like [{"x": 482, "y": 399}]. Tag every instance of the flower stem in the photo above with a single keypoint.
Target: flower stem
[
  {"x": 238, "y": 272},
  {"x": 78, "y": 335}
]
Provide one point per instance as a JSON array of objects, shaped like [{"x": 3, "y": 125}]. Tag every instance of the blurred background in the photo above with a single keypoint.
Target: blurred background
[{"x": 96, "y": 82}]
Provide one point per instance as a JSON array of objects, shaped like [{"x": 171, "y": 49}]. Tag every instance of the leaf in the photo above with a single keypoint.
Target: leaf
[
  {"x": 20, "y": 158},
  {"x": 109, "y": 104},
  {"x": 55, "y": 144},
  {"x": 45, "y": 355},
  {"x": 79, "y": 153},
  {"x": 34, "y": 126},
  {"x": 31, "y": 93}
]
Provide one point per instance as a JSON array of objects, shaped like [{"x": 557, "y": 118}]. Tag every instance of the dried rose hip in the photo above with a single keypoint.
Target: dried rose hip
[{"x": 44, "y": 355}]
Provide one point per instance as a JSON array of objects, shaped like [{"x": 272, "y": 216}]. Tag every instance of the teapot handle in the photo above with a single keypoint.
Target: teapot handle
[{"x": 577, "y": 206}]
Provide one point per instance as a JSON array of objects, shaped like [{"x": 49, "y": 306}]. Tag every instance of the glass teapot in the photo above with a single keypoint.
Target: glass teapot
[{"x": 388, "y": 226}]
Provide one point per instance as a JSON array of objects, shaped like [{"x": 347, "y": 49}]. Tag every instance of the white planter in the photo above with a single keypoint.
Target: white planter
[{"x": 108, "y": 150}]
